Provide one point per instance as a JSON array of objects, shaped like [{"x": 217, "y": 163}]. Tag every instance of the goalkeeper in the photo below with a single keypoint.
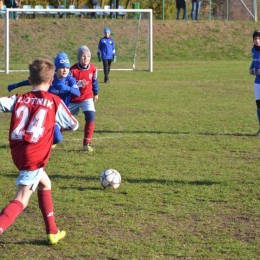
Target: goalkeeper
[
  {"x": 63, "y": 85},
  {"x": 106, "y": 52}
]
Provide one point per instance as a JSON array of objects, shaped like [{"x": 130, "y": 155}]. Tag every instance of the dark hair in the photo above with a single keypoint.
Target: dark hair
[{"x": 256, "y": 33}]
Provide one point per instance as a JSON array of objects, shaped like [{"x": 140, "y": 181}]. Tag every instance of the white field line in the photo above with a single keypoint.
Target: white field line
[{"x": 98, "y": 138}]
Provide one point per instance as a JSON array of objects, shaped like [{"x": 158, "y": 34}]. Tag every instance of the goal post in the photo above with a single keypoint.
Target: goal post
[{"x": 133, "y": 38}]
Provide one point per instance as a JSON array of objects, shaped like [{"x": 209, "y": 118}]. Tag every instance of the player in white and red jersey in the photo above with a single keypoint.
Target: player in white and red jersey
[
  {"x": 85, "y": 74},
  {"x": 34, "y": 115}
]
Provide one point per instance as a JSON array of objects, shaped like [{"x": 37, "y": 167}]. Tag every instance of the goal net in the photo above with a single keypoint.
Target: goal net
[
  {"x": 44, "y": 33},
  {"x": 232, "y": 10}
]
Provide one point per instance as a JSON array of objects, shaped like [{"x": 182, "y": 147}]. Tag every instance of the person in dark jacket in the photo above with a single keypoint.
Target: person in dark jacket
[
  {"x": 94, "y": 4},
  {"x": 114, "y": 7},
  {"x": 106, "y": 52},
  {"x": 181, "y": 4},
  {"x": 12, "y": 4}
]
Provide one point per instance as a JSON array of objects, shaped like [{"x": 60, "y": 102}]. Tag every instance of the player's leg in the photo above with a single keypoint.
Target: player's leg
[
  {"x": 257, "y": 100},
  {"x": 106, "y": 71},
  {"x": 27, "y": 182},
  {"x": 88, "y": 130},
  {"x": 88, "y": 109},
  {"x": 15, "y": 207},
  {"x": 108, "y": 68},
  {"x": 46, "y": 206},
  {"x": 258, "y": 114}
]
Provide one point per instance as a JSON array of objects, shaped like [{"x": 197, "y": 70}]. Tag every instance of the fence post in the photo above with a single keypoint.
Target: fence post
[
  {"x": 227, "y": 10},
  {"x": 209, "y": 9},
  {"x": 163, "y": 9},
  {"x": 255, "y": 9}
]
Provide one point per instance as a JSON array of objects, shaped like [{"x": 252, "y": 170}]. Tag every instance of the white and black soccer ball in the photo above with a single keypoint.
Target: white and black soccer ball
[{"x": 110, "y": 178}]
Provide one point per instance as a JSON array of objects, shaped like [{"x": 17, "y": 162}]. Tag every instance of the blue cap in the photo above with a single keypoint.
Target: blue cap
[
  {"x": 61, "y": 61},
  {"x": 107, "y": 30}
]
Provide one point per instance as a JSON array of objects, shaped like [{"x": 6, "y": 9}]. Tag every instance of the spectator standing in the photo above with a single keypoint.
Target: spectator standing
[
  {"x": 12, "y": 4},
  {"x": 106, "y": 52},
  {"x": 114, "y": 7},
  {"x": 94, "y": 4},
  {"x": 181, "y": 4},
  {"x": 195, "y": 11}
]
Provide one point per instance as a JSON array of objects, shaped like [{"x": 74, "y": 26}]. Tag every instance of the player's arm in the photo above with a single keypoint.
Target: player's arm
[
  {"x": 95, "y": 88},
  {"x": 251, "y": 69},
  {"x": 114, "y": 48},
  {"x": 114, "y": 51},
  {"x": 19, "y": 84},
  {"x": 99, "y": 51},
  {"x": 65, "y": 119},
  {"x": 7, "y": 103},
  {"x": 67, "y": 89},
  {"x": 74, "y": 89}
]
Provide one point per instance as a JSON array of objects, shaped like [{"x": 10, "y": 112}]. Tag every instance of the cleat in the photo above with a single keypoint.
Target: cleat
[
  {"x": 258, "y": 133},
  {"x": 53, "y": 146},
  {"x": 87, "y": 148},
  {"x": 54, "y": 238}
]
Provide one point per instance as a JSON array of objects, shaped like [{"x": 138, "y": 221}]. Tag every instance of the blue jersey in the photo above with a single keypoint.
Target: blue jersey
[
  {"x": 65, "y": 95},
  {"x": 256, "y": 63},
  {"x": 106, "y": 49}
]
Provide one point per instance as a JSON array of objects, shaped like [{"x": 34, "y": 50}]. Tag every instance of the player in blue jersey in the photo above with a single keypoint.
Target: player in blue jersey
[
  {"x": 255, "y": 70},
  {"x": 63, "y": 85},
  {"x": 106, "y": 52}
]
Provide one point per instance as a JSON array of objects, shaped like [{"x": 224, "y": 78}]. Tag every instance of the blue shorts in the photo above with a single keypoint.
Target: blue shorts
[{"x": 29, "y": 178}]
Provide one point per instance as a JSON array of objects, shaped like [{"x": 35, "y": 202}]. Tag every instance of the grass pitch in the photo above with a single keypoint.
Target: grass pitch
[{"x": 183, "y": 140}]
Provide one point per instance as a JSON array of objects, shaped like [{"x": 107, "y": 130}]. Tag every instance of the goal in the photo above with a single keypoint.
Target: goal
[{"x": 45, "y": 36}]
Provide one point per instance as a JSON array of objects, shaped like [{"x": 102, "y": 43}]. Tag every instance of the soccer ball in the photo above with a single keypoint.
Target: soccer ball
[{"x": 110, "y": 178}]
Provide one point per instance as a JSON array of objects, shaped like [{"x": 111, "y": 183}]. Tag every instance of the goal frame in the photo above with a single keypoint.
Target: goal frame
[{"x": 7, "y": 27}]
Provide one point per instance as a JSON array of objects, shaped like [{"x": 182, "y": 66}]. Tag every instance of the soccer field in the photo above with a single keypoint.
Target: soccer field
[{"x": 183, "y": 141}]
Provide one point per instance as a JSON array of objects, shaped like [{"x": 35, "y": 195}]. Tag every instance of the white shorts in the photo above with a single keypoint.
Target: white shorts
[
  {"x": 86, "y": 105},
  {"x": 257, "y": 91},
  {"x": 29, "y": 178}
]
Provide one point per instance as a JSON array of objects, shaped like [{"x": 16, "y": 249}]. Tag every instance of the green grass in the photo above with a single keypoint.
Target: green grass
[
  {"x": 183, "y": 140},
  {"x": 172, "y": 40}
]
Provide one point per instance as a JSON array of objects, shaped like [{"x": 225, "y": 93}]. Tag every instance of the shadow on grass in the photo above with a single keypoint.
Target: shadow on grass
[
  {"x": 32, "y": 242},
  {"x": 94, "y": 178},
  {"x": 4, "y": 146},
  {"x": 204, "y": 182},
  {"x": 171, "y": 132}
]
